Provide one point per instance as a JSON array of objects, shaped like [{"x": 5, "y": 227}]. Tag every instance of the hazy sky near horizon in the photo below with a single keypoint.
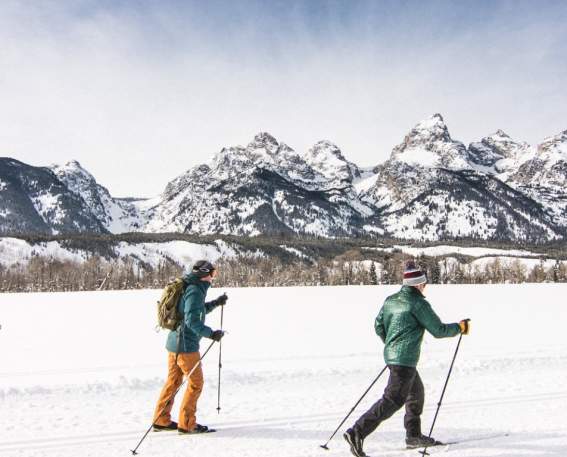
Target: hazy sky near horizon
[{"x": 140, "y": 91}]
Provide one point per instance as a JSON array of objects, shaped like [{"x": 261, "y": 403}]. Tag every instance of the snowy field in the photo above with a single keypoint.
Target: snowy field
[{"x": 80, "y": 373}]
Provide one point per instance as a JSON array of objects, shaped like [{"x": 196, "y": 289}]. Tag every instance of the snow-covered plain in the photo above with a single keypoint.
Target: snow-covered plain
[{"x": 80, "y": 373}]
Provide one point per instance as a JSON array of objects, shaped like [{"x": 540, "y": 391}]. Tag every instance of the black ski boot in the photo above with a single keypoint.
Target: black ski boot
[
  {"x": 353, "y": 438},
  {"x": 165, "y": 428},
  {"x": 413, "y": 442},
  {"x": 196, "y": 430}
]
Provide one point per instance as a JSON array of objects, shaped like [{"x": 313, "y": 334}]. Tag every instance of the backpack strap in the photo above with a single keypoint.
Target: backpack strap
[{"x": 180, "y": 327}]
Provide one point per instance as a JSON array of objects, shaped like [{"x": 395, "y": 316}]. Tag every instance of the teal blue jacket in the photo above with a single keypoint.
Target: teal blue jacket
[
  {"x": 193, "y": 308},
  {"x": 401, "y": 323}
]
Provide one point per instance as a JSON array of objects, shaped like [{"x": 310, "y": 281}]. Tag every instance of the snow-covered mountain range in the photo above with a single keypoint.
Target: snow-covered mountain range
[{"x": 431, "y": 188}]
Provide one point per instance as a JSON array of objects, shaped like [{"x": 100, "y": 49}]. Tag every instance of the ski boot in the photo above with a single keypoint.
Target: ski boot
[
  {"x": 413, "y": 442},
  {"x": 196, "y": 430},
  {"x": 165, "y": 428},
  {"x": 355, "y": 441}
]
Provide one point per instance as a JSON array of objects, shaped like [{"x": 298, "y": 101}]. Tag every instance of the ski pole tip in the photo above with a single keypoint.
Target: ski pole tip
[{"x": 324, "y": 446}]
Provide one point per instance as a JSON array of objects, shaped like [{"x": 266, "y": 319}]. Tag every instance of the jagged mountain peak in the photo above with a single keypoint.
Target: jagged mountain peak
[
  {"x": 74, "y": 164},
  {"x": 266, "y": 187},
  {"x": 326, "y": 147},
  {"x": 431, "y": 129},
  {"x": 72, "y": 168},
  {"x": 264, "y": 140},
  {"x": 429, "y": 144},
  {"x": 501, "y": 137},
  {"x": 327, "y": 158},
  {"x": 498, "y": 153},
  {"x": 116, "y": 216},
  {"x": 71, "y": 165},
  {"x": 555, "y": 145},
  {"x": 499, "y": 134},
  {"x": 323, "y": 166},
  {"x": 263, "y": 152}
]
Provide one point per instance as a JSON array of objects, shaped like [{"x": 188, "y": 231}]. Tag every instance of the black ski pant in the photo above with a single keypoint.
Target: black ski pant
[{"x": 404, "y": 388}]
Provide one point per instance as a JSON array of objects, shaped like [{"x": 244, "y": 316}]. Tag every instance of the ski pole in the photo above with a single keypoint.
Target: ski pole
[
  {"x": 424, "y": 451},
  {"x": 324, "y": 446},
  {"x": 134, "y": 451},
  {"x": 220, "y": 360}
]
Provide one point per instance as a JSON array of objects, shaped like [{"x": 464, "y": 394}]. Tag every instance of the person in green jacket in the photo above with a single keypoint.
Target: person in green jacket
[
  {"x": 401, "y": 324},
  {"x": 183, "y": 352}
]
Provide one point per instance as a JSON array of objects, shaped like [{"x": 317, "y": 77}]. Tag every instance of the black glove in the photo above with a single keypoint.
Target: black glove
[
  {"x": 217, "y": 335},
  {"x": 221, "y": 301}
]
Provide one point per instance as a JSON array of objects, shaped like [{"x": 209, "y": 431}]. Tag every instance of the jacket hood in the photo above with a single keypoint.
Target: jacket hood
[
  {"x": 412, "y": 290},
  {"x": 192, "y": 279}
]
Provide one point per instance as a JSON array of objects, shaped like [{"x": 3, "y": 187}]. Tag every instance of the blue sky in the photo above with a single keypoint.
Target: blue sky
[{"x": 156, "y": 87}]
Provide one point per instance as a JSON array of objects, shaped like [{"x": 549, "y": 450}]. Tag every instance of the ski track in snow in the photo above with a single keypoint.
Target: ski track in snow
[{"x": 294, "y": 362}]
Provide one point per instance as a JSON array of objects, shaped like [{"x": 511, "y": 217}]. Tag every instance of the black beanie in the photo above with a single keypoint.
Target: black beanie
[{"x": 202, "y": 268}]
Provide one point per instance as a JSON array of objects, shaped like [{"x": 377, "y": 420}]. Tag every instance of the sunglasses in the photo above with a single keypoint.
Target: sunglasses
[{"x": 211, "y": 271}]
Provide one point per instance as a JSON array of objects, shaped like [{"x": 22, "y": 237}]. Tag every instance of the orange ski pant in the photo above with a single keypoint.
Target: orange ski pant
[{"x": 177, "y": 369}]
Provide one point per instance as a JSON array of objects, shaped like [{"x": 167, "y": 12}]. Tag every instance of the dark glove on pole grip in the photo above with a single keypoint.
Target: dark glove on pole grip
[
  {"x": 221, "y": 301},
  {"x": 217, "y": 335}
]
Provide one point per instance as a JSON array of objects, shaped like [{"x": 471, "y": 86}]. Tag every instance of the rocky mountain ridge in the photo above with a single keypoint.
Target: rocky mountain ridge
[{"x": 432, "y": 187}]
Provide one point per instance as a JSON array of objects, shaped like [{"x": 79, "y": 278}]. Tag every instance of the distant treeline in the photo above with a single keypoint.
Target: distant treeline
[
  {"x": 324, "y": 247},
  {"x": 314, "y": 246},
  {"x": 355, "y": 266}
]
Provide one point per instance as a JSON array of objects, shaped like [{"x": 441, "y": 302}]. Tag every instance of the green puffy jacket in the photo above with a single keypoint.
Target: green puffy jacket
[
  {"x": 401, "y": 323},
  {"x": 193, "y": 308}
]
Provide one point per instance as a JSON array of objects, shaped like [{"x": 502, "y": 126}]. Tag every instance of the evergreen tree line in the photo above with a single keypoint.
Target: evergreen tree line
[
  {"x": 102, "y": 244},
  {"x": 96, "y": 273}
]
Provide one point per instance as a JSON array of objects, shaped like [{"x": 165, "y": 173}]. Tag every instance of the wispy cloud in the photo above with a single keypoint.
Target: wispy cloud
[{"x": 139, "y": 91}]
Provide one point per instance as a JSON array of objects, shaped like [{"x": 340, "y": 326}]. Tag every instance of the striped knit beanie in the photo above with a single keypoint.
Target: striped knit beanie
[{"x": 413, "y": 276}]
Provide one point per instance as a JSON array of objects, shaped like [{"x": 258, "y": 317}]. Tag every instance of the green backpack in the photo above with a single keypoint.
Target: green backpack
[{"x": 168, "y": 315}]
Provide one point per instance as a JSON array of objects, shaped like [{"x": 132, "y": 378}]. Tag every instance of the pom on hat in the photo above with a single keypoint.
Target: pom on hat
[{"x": 413, "y": 276}]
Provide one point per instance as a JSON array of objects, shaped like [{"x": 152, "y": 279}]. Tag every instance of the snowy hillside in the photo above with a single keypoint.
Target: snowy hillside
[
  {"x": 293, "y": 366},
  {"x": 15, "y": 251},
  {"x": 431, "y": 188},
  {"x": 34, "y": 200}
]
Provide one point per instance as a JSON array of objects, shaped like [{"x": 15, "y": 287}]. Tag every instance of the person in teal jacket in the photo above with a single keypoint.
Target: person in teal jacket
[
  {"x": 183, "y": 351},
  {"x": 401, "y": 324}
]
